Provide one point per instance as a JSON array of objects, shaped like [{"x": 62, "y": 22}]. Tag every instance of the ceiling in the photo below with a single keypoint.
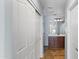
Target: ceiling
[
  {"x": 52, "y": 3},
  {"x": 53, "y": 7}
]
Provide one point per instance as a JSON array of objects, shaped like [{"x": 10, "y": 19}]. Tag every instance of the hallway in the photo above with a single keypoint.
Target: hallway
[
  {"x": 53, "y": 54},
  {"x": 34, "y": 29}
]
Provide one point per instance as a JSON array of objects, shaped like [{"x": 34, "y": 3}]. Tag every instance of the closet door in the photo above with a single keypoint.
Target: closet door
[
  {"x": 74, "y": 32},
  {"x": 26, "y": 31}
]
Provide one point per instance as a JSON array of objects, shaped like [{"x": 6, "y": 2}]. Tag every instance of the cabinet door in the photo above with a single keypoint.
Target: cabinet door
[
  {"x": 51, "y": 42},
  {"x": 59, "y": 42},
  {"x": 56, "y": 42}
]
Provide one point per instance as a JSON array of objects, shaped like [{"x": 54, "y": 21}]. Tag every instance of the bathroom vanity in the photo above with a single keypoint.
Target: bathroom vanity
[
  {"x": 56, "y": 36},
  {"x": 56, "y": 41}
]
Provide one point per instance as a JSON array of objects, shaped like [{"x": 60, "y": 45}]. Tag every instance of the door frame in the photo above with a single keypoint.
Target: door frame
[{"x": 67, "y": 41}]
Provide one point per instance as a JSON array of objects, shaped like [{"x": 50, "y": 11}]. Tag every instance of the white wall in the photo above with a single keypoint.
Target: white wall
[
  {"x": 2, "y": 29},
  {"x": 45, "y": 39},
  {"x": 41, "y": 40},
  {"x": 8, "y": 34},
  {"x": 5, "y": 41}
]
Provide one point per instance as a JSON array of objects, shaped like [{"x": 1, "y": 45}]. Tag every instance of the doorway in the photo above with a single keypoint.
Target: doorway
[{"x": 55, "y": 48}]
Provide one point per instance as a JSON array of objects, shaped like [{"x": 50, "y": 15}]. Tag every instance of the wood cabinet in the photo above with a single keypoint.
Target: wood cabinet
[{"x": 56, "y": 41}]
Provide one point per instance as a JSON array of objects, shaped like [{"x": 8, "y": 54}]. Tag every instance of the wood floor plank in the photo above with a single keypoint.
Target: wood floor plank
[{"x": 53, "y": 54}]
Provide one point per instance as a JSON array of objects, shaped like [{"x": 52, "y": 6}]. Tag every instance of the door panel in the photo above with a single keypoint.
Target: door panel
[
  {"x": 59, "y": 42},
  {"x": 73, "y": 31},
  {"x": 51, "y": 42}
]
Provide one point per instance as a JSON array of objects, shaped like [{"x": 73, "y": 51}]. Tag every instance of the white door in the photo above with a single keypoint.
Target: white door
[{"x": 74, "y": 32}]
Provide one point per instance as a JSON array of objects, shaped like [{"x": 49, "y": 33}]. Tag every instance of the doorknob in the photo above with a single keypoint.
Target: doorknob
[{"x": 76, "y": 49}]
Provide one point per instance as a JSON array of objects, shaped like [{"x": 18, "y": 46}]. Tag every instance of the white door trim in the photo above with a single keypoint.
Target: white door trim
[{"x": 73, "y": 4}]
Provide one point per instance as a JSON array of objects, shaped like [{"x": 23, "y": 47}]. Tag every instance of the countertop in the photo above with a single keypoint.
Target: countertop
[{"x": 57, "y": 35}]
